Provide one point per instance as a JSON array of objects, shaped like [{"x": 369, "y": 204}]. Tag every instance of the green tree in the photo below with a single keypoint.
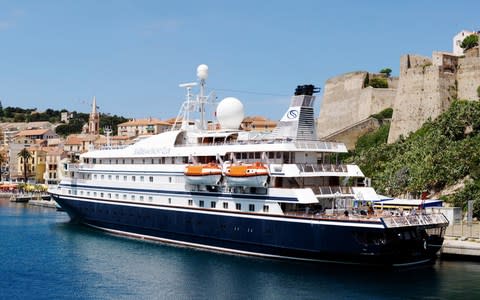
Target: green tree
[
  {"x": 25, "y": 155},
  {"x": 469, "y": 42},
  {"x": 386, "y": 71}
]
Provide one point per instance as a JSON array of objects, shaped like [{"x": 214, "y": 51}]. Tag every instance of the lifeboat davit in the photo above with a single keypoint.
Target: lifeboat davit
[
  {"x": 251, "y": 175},
  {"x": 204, "y": 174}
]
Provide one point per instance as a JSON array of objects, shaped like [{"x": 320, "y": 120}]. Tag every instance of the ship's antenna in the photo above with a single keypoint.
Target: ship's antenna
[
  {"x": 202, "y": 74},
  {"x": 187, "y": 106}
]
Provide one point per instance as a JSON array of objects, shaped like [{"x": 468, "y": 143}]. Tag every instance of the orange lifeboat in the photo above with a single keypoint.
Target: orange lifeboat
[
  {"x": 252, "y": 175},
  {"x": 207, "y": 174}
]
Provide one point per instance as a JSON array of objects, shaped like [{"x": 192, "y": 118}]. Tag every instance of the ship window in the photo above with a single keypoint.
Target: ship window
[
  {"x": 110, "y": 161},
  {"x": 141, "y": 198},
  {"x": 116, "y": 196},
  {"x": 123, "y": 161},
  {"x": 81, "y": 192},
  {"x": 124, "y": 197},
  {"x": 190, "y": 202},
  {"x": 170, "y": 179},
  {"x": 116, "y": 161},
  {"x": 69, "y": 192},
  {"x": 100, "y": 161},
  {"x": 101, "y": 195},
  {"x": 117, "y": 177},
  {"x": 251, "y": 155},
  {"x": 201, "y": 203},
  {"x": 213, "y": 204},
  {"x": 150, "y": 198},
  {"x": 169, "y": 200},
  {"x": 152, "y": 162},
  {"x": 132, "y": 197},
  {"x": 102, "y": 176},
  {"x": 95, "y": 194},
  {"x": 271, "y": 155},
  {"x": 142, "y": 178},
  {"x": 132, "y": 161},
  {"x": 143, "y": 161},
  {"x": 94, "y": 160},
  {"x": 279, "y": 155},
  {"x": 109, "y": 195},
  {"x": 225, "y": 205},
  {"x": 88, "y": 193},
  {"x": 95, "y": 176},
  {"x": 265, "y": 208},
  {"x": 150, "y": 178},
  {"x": 251, "y": 207},
  {"x": 257, "y": 155},
  {"x": 109, "y": 177},
  {"x": 133, "y": 178},
  {"x": 238, "y": 206},
  {"x": 124, "y": 178}
]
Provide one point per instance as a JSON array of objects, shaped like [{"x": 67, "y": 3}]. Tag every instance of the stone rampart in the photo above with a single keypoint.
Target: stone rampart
[{"x": 346, "y": 101}]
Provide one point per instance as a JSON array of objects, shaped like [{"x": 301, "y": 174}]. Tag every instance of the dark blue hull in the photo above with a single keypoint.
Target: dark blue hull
[{"x": 294, "y": 238}]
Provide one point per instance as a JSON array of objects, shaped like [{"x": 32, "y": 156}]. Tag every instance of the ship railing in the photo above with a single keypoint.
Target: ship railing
[
  {"x": 311, "y": 168},
  {"x": 332, "y": 190},
  {"x": 309, "y": 145},
  {"x": 414, "y": 219}
]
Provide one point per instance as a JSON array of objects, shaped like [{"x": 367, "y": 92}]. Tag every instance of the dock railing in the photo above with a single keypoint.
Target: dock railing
[{"x": 464, "y": 230}]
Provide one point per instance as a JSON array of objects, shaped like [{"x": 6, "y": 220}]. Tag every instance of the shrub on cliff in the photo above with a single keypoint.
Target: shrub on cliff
[
  {"x": 439, "y": 154},
  {"x": 378, "y": 82},
  {"x": 469, "y": 42}
]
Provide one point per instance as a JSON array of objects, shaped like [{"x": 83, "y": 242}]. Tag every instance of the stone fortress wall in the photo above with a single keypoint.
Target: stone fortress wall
[
  {"x": 425, "y": 88},
  {"x": 428, "y": 86},
  {"x": 346, "y": 101}
]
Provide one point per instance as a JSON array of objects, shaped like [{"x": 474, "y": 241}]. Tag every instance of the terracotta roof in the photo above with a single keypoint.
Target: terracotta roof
[{"x": 31, "y": 132}]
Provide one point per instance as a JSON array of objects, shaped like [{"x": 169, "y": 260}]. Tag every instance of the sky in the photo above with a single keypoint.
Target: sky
[{"x": 132, "y": 54}]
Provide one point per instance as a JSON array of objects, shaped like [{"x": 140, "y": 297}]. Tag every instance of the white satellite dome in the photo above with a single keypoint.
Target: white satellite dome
[
  {"x": 230, "y": 113},
  {"x": 202, "y": 72}
]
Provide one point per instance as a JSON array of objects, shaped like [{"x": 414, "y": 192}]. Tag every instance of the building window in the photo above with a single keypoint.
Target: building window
[
  {"x": 213, "y": 204},
  {"x": 201, "y": 203},
  {"x": 225, "y": 205},
  {"x": 251, "y": 207},
  {"x": 265, "y": 208},
  {"x": 190, "y": 202},
  {"x": 238, "y": 206}
]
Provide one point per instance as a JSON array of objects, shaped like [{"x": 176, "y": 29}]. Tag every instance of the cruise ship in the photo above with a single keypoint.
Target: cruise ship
[{"x": 211, "y": 185}]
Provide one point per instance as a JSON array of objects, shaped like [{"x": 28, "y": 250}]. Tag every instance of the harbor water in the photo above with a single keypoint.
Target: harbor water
[{"x": 44, "y": 256}]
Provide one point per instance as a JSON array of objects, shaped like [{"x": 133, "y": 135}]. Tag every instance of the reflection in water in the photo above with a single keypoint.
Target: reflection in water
[{"x": 50, "y": 257}]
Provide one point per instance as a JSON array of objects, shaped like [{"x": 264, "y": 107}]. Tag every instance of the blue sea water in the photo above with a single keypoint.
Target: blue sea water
[{"x": 44, "y": 256}]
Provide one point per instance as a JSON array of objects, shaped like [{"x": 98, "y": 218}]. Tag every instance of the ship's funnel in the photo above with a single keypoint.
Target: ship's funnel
[{"x": 298, "y": 122}]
